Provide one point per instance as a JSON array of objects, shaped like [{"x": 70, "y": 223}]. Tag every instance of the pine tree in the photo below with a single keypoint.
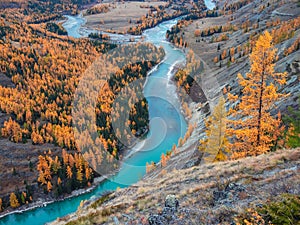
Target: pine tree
[
  {"x": 174, "y": 149},
  {"x": 254, "y": 131},
  {"x": 55, "y": 165},
  {"x": 14, "y": 203},
  {"x": 180, "y": 142},
  {"x": 292, "y": 120},
  {"x": 23, "y": 198},
  {"x": 150, "y": 167},
  {"x": 215, "y": 146}
]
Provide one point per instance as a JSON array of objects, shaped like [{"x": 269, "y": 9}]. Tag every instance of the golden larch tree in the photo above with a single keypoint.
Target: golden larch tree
[
  {"x": 69, "y": 172},
  {"x": 49, "y": 186},
  {"x": 79, "y": 175},
  {"x": 254, "y": 131},
  {"x": 88, "y": 173},
  {"x": 148, "y": 167},
  {"x": 14, "y": 203},
  {"x": 163, "y": 160},
  {"x": 41, "y": 178},
  {"x": 59, "y": 181},
  {"x": 215, "y": 146}
]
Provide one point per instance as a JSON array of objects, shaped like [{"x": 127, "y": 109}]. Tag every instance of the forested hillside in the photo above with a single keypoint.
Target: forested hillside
[
  {"x": 40, "y": 69},
  {"x": 239, "y": 92},
  {"x": 37, "y": 11}
]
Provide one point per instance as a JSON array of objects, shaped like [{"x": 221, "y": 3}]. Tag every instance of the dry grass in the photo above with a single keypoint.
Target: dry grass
[
  {"x": 117, "y": 19},
  {"x": 194, "y": 187}
]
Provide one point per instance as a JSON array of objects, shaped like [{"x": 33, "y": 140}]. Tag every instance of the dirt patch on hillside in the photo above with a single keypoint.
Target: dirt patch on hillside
[
  {"x": 21, "y": 158},
  {"x": 5, "y": 81}
]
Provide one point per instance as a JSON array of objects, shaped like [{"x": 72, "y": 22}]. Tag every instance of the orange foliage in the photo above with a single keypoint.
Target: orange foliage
[
  {"x": 14, "y": 203},
  {"x": 253, "y": 129},
  {"x": 150, "y": 167},
  {"x": 163, "y": 160},
  {"x": 12, "y": 130}
]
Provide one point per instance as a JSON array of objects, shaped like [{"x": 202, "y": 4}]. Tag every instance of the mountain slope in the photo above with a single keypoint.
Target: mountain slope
[
  {"x": 207, "y": 194},
  {"x": 247, "y": 23}
]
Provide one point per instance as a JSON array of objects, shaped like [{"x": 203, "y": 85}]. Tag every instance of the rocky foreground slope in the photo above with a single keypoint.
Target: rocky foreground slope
[{"x": 207, "y": 194}]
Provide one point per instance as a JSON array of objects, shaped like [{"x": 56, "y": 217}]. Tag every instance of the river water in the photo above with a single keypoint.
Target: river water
[{"x": 167, "y": 125}]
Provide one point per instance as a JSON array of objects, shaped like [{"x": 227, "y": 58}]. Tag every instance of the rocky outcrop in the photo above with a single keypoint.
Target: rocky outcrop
[
  {"x": 230, "y": 194},
  {"x": 168, "y": 215}
]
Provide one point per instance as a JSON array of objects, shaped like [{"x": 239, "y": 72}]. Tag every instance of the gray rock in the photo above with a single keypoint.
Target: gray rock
[
  {"x": 166, "y": 217},
  {"x": 171, "y": 202},
  {"x": 157, "y": 220},
  {"x": 234, "y": 187},
  {"x": 168, "y": 213},
  {"x": 229, "y": 195},
  {"x": 217, "y": 195}
]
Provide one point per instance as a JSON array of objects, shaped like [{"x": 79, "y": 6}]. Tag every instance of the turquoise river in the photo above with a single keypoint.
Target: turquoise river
[{"x": 167, "y": 125}]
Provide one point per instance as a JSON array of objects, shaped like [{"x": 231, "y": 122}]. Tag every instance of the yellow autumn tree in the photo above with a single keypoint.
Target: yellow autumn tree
[
  {"x": 49, "y": 186},
  {"x": 55, "y": 165},
  {"x": 69, "y": 172},
  {"x": 59, "y": 181},
  {"x": 216, "y": 146},
  {"x": 254, "y": 131},
  {"x": 79, "y": 175},
  {"x": 174, "y": 149},
  {"x": 88, "y": 173},
  {"x": 163, "y": 160},
  {"x": 14, "y": 203},
  {"x": 148, "y": 167}
]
